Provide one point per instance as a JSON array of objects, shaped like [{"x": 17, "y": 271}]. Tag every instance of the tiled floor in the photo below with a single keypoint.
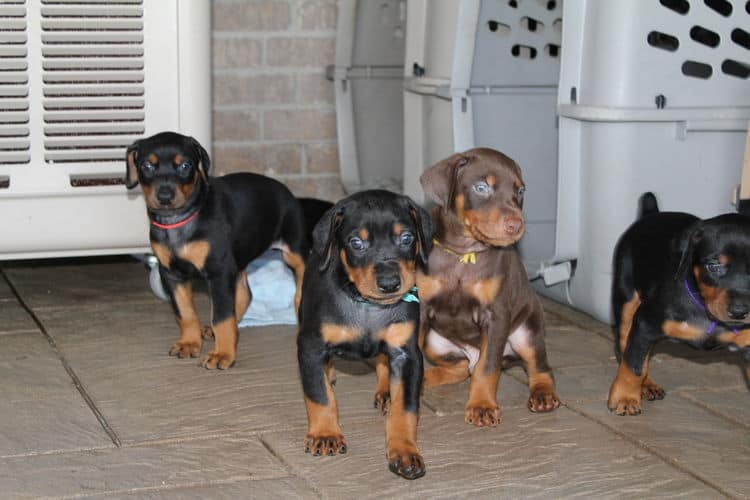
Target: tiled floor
[{"x": 91, "y": 405}]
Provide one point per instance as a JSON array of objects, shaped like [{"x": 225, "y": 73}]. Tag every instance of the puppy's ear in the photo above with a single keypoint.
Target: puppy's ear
[
  {"x": 686, "y": 248},
  {"x": 205, "y": 164},
  {"x": 439, "y": 181},
  {"x": 423, "y": 223},
  {"x": 131, "y": 171},
  {"x": 324, "y": 234}
]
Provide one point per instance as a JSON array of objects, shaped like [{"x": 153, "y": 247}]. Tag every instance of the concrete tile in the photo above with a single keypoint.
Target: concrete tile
[
  {"x": 5, "y": 292},
  {"x": 732, "y": 404},
  {"x": 576, "y": 347},
  {"x": 285, "y": 487},
  {"x": 527, "y": 456},
  {"x": 14, "y": 318},
  {"x": 708, "y": 446},
  {"x": 49, "y": 425},
  {"x": 155, "y": 465},
  {"x": 30, "y": 369},
  {"x": 65, "y": 283},
  {"x": 568, "y": 314}
]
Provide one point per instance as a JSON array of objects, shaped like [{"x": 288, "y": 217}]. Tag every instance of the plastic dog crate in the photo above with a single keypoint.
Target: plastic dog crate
[
  {"x": 367, "y": 76},
  {"x": 654, "y": 96},
  {"x": 80, "y": 81},
  {"x": 485, "y": 73}
]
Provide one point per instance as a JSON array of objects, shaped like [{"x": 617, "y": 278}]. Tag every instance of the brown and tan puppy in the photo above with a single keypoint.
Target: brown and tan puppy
[{"x": 478, "y": 310}]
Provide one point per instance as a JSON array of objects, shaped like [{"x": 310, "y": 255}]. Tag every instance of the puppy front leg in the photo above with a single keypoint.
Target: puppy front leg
[
  {"x": 625, "y": 393},
  {"x": 180, "y": 293},
  {"x": 324, "y": 435},
  {"x": 482, "y": 408},
  {"x": 222, "y": 287}
]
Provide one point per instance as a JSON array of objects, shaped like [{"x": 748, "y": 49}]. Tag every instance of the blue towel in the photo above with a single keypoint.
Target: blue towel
[{"x": 273, "y": 287}]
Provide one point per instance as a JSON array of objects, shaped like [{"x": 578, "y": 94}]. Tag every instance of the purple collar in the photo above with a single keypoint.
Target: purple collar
[{"x": 694, "y": 297}]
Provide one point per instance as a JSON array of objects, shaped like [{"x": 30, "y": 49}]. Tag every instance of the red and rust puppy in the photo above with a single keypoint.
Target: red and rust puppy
[
  {"x": 211, "y": 228},
  {"x": 357, "y": 303},
  {"x": 478, "y": 310},
  {"x": 676, "y": 277}
]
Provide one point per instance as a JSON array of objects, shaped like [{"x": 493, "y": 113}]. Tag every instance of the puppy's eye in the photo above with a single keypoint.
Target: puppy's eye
[
  {"x": 406, "y": 238},
  {"x": 521, "y": 192},
  {"x": 482, "y": 188},
  {"x": 717, "y": 268},
  {"x": 148, "y": 168},
  {"x": 356, "y": 244},
  {"x": 183, "y": 168}
]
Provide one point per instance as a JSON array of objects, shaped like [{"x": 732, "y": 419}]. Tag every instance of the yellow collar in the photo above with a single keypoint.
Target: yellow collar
[{"x": 463, "y": 258}]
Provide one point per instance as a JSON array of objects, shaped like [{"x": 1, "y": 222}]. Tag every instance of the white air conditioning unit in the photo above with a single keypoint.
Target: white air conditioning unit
[{"x": 79, "y": 81}]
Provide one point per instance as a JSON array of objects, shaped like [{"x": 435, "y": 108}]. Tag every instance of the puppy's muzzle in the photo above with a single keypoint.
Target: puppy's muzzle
[
  {"x": 387, "y": 276},
  {"x": 738, "y": 310},
  {"x": 165, "y": 194},
  {"x": 512, "y": 225}
]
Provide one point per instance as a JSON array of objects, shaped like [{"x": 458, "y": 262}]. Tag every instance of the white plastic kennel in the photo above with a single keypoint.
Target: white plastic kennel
[{"x": 80, "y": 81}]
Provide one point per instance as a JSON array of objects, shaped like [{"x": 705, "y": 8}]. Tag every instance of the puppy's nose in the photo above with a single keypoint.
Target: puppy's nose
[
  {"x": 388, "y": 277},
  {"x": 512, "y": 225},
  {"x": 738, "y": 311},
  {"x": 165, "y": 194}
]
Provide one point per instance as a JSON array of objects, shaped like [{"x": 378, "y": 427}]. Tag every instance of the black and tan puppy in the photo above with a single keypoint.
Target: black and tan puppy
[
  {"x": 357, "y": 303},
  {"x": 478, "y": 310},
  {"x": 211, "y": 228},
  {"x": 678, "y": 277}
]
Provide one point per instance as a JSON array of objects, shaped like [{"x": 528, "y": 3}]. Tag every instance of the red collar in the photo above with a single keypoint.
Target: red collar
[{"x": 176, "y": 224}]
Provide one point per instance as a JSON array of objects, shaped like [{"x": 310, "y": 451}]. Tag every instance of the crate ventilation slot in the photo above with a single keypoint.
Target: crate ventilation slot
[
  {"x": 705, "y": 36},
  {"x": 498, "y": 28},
  {"x": 697, "y": 69},
  {"x": 679, "y": 6},
  {"x": 663, "y": 41},
  {"x": 14, "y": 87},
  {"x": 720, "y": 6},
  {"x": 93, "y": 79},
  {"x": 735, "y": 68},
  {"x": 741, "y": 38}
]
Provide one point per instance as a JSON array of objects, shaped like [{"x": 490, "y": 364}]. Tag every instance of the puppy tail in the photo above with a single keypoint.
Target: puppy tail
[{"x": 647, "y": 205}]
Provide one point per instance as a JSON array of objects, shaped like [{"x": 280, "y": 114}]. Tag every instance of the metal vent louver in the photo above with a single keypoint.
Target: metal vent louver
[
  {"x": 93, "y": 78},
  {"x": 14, "y": 84}
]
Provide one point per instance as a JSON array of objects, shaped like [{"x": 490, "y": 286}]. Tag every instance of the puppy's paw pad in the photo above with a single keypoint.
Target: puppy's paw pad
[
  {"x": 482, "y": 415},
  {"x": 382, "y": 401},
  {"x": 183, "y": 349},
  {"x": 542, "y": 401},
  {"x": 407, "y": 464},
  {"x": 319, "y": 445},
  {"x": 219, "y": 360}
]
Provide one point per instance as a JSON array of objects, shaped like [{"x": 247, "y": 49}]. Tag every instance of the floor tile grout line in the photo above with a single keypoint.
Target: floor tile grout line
[
  {"x": 710, "y": 409},
  {"x": 69, "y": 369},
  {"x": 287, "y": 465},
  {"x": 661, "y": 456}
]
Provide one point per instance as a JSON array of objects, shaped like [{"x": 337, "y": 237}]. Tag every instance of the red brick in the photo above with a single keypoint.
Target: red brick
[
  {"x": 237, "y": 53},
  {"x": 253, "y": 89},
  {"x": 322, "y": 158},
  {"x": 318, "y": 15},
  {"x": 300, "y": 51},
  {"x": 299, "y": 125},
  {"x": 315, "y": 89},
  {"x": 236, "y": 125},
  {"x": 251, "y": 16},
  {"x": 267, "y": 159}
]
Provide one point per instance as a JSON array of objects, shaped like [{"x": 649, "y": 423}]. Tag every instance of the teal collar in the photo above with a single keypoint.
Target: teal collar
[{"x": 410, "y": 296}]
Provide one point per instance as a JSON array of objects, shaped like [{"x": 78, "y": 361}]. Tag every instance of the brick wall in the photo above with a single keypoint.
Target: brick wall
[{"x": 273, "y": 108}]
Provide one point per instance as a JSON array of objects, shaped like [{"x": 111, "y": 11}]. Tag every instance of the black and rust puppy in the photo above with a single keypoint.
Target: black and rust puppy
[
  {"x": 478, "y": 310},
  {"x": 211, "y": 228},
  {"x": 357, "y": 303},
  {"x": 676, "y": 277}
]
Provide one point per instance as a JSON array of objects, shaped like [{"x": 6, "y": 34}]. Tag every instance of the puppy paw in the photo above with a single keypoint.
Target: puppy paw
[
  {"x": 219, "y": 360},
  {"x": 651, "y": 391},
  {"x": 543, "y": 400},
  {"x": 382, "y": 401},
  {"x": 185, "y": 349},
  {"x": 325, "y": 445},
  {"x": 207, "y": 332},
  {"x": 625, "y": 406},
  {"x": 482, "y": 415},
  {"x": 406, "y": 462}
]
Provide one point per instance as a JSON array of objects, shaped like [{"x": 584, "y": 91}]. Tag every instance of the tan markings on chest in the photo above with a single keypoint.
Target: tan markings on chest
[
  {"x": 195, "y": 252},
  {"x": 429, "y": 286},
  {"x": 163, "y": 253},
  {"x": 484, "y": 290},
  {"x": 339, "y": 334},
  {"x": 396, "y": 334},
  {"x": 682, "y": 330}
]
